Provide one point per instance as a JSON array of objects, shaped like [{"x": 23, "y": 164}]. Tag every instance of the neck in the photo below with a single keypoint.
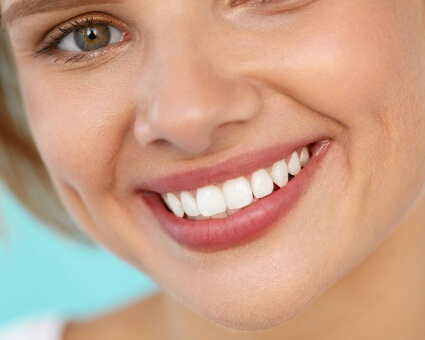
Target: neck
[{"x": 382, "y": 298}]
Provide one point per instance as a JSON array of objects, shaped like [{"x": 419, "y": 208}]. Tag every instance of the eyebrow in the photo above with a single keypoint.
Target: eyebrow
[{"x": 23, "y": 8}]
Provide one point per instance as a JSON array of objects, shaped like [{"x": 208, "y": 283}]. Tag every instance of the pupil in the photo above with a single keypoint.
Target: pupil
[{"x": 92, "y": 33}]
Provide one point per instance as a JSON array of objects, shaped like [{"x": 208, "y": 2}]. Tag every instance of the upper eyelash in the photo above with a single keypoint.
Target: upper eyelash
[{"x": 55, "y": 40}]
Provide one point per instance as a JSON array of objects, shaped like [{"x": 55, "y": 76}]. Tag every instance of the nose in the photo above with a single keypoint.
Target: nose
[{"x": 191, "y": 97}]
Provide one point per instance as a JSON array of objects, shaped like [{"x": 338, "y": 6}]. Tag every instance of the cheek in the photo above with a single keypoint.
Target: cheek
[
  {"x": 355, "y": 61},
  {"x": 78, "y": 124},
  {"x": 358, "y": 63}
]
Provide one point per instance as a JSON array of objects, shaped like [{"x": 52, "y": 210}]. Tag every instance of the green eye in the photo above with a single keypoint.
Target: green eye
[{"x": 91, "y": 38}]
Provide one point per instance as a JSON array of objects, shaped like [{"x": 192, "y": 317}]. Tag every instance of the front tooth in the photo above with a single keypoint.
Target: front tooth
[
  {"x": 189, "y": 204},
  {"x": 304, "y": 156},
  {"x": 210, "y": 201},
  {"x": 237, "y": 193},
  {"x": 294, "y": 165},
  {"x": 280, "y": 173},
  {"x": 261, "y": 183},
  {"x": 175, "y": 205}
]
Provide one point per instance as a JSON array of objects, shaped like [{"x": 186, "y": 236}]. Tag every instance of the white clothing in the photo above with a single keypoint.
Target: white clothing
[{"x": 46, "y": 328}]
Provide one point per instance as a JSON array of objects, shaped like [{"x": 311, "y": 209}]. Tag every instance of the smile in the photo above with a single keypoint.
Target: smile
[
  {"x": 236, "y": 209},
  {"x": 226, "y": 199}
]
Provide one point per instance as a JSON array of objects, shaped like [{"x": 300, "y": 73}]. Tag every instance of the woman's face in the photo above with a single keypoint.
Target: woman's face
[{"x": 179, "y": 95}]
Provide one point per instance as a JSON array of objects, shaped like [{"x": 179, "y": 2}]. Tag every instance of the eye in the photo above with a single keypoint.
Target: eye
[
  {"x": 235, "y": 3},
  {"x": 90, "y": 38},
  {"x": 285, "y": 4}
]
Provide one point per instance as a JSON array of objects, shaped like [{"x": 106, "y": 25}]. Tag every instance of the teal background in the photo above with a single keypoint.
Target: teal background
[{"x": 42, "y": 273}]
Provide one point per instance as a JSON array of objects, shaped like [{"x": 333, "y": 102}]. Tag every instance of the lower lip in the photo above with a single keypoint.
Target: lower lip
[{"x": 248, "y": 224}]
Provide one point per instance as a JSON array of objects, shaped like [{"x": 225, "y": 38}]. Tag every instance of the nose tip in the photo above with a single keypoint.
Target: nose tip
[
  {"x": 187, "y": 129},
  {"x": 189, "y": 117}
]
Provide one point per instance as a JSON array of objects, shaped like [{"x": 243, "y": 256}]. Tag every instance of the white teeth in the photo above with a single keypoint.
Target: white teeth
[
  {"x": 189, "y": 204},
  {"x": 280, "y": 173},
  {"x": 237, "y": 193},
  {"x": 221, "y": 201},
  {"x": 261, "y": 183},
  {"x": 210, "y": 201},
  {"x": 175, "y": 205},
  {"x": 294, "y": 165},
  {"x": 164, "y": 198},
  {"x": 304, "y": 156}
]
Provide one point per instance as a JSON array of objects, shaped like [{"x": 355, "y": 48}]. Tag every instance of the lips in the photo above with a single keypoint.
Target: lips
[{"x": 247, "y": 224}]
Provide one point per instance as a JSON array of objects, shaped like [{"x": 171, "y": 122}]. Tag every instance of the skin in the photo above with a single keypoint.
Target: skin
[{"x": 349, "y": 258}]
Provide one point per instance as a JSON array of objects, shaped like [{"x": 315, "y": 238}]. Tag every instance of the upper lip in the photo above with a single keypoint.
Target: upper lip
[{"x": 194, "y": 177}]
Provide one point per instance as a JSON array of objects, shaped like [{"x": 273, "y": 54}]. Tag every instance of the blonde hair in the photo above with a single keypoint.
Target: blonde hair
[{"x": 21, "y": 167}]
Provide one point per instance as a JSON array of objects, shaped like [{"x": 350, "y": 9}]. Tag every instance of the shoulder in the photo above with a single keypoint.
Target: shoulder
[{"x": 46, "y": 328}]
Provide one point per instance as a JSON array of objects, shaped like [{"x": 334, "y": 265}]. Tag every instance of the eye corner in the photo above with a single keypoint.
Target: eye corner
[{"x": 126, "y": 36}]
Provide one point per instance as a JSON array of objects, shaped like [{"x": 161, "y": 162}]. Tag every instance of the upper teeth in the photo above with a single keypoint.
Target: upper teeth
[{"x": 220, "y": 201}]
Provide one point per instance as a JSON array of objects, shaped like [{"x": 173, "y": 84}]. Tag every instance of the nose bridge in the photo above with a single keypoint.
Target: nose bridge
[
  {"x": 189, "y": 90},
  {"x": 182, "y": 56},
  {"x": 190, "y": 95}
]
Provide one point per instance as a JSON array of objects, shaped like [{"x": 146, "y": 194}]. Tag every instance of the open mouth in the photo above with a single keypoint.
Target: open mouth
[
  {"x": 234, "y": 209},
  {"x": 226, "y": 199}
]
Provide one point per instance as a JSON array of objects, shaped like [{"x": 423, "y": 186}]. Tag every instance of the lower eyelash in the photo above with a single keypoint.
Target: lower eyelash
[
  {"x": 71, "y": 59},
  {"x": 75, "y": 58}
]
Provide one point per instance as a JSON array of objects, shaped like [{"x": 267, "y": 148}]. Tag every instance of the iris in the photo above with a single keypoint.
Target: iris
[{"x": 93, "y": 37}]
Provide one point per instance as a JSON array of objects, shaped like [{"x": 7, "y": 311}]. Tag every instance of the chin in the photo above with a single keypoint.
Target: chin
[
  {"x": 251, "y": 314},
  {"x": 262, "y": 304}
]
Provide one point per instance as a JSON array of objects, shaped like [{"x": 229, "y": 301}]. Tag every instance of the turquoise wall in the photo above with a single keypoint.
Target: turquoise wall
[{"x": 42, "y": 273}]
